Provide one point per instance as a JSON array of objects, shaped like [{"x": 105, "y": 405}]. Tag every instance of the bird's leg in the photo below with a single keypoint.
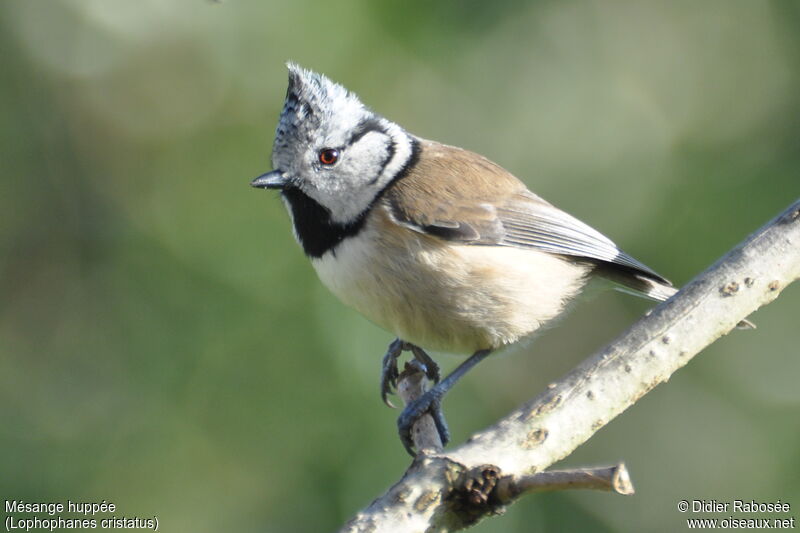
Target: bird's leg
[
  {"x": 390, "y": 371},
  {"x": 430, "y": 403}
]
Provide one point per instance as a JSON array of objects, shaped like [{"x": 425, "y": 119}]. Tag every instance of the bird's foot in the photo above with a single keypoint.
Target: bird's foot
[
  {"x": 390, "y": 372},
  {"x": 427, "y": 404}
]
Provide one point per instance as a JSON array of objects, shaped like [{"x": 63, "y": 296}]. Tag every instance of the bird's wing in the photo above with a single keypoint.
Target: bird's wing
[
  {"x": 473, "y": 201},
  {"x": 550, "y": 229}
]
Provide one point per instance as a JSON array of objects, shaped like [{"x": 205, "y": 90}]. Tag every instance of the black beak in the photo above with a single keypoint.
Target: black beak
[{"x": 271, "y": 180}]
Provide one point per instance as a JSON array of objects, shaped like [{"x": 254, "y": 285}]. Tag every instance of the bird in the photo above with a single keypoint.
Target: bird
[{"x": 438, "y": 245}]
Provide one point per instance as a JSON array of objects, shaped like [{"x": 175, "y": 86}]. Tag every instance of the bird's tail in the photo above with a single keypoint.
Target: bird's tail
[
  {"x": 637, "y": 283},
  {"x": 647, "y": 287}
]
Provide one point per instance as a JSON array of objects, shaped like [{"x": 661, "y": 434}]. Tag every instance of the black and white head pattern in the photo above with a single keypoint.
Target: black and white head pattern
[{"x": 320, "y": 115}]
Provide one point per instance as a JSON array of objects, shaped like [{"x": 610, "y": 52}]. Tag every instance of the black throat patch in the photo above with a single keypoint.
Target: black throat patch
[{"x": 316, "y": 231}]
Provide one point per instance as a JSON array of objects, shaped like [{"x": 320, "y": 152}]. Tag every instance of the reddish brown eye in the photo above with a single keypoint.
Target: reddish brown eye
[{"x": 328, "y": 156}]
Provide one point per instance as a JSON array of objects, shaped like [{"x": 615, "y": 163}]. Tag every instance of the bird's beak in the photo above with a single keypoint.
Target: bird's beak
[{"x": 271, "y": 180}]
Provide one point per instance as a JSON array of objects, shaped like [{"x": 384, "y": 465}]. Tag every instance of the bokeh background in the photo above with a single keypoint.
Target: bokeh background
[{"x": 165, "y": 345}]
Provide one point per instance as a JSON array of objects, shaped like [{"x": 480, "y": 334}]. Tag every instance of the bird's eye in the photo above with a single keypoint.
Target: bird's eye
[{"x": 328, "y": 156}]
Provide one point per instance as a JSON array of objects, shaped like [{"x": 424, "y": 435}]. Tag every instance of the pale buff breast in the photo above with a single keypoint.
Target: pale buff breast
[{"x": 449, "y": 297}]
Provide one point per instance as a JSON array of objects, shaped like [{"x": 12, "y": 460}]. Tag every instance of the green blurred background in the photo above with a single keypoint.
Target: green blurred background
[{"x": 165, "y": 345}]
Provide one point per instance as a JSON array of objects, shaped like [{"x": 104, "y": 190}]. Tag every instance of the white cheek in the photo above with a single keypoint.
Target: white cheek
[
  {"x": 366, "y": 169},
  {"x": 350, "y": 188}
]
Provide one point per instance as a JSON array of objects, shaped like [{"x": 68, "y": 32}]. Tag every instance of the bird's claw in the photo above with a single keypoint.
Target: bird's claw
[
  {"x": 390, "y": 371},
  {"x": 429, "y": 365}
]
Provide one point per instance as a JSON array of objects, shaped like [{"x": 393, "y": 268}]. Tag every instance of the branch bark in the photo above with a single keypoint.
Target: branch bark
[{"x": 438, "y": 491}]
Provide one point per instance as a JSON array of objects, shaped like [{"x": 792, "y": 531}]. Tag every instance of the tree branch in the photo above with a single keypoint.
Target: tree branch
[
  {"x": 608, "y": 478},
  {"x": 438, "y": 491}
]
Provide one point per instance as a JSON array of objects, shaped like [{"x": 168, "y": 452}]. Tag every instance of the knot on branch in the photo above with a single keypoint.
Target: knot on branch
[
  {"x": 472, "y": 496},
  {"x": 477, "y": 484}
]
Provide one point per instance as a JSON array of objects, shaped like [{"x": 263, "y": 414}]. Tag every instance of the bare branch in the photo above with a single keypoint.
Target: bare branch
[
  {"x": 436, "y": 494},
  {"x": 608, "y": 478}
]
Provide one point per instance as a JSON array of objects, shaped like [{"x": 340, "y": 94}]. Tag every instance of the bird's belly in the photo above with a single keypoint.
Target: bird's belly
[{"x": 453, "y": 298}]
